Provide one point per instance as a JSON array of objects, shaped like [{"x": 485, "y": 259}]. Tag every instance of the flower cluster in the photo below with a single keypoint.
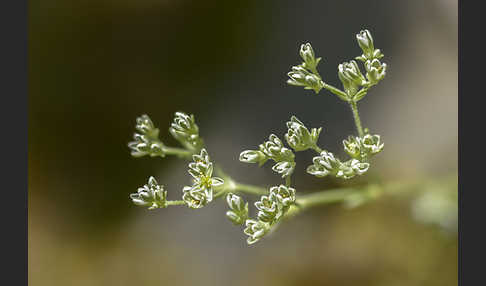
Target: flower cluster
[
  {"x": 326, "y": 164},
  {"x": 201, "y": 191},
  {"x": 151, "y": 195},
  {"x": 146, "y": 142},
  {"x": 365, "y": 42},
  {"x": 298, "y": 136},
  {"x": 271, "y": 209},
  {"x": 279, "y": 201},
  {"x": 364, "y": 147},
  {"x": 355, "y": 84},
  {"x": 185, "y": 130},
  {"x": 306, "y": 74},
  {"x": 350, "y": 74},
  {"x": 272, "y": 149},
  {"x": 238, "y": 212},
  {"x": 375, "y": 70}
]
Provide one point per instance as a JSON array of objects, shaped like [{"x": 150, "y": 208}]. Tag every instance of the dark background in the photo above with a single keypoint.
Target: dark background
[{"x": 94, "y": 66}]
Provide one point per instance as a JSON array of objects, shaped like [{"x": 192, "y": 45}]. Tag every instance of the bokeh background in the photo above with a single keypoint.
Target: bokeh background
[{"x": 95, "y": 65}]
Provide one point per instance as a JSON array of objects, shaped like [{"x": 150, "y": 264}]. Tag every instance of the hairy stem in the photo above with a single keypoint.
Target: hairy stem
[{"x": 357, "y": 121}]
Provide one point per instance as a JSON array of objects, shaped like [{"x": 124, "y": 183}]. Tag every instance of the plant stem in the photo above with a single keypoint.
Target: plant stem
[
  {"x": 317, "y": 149},
  {"x": 250, "y": 189},
  {"x": 341, "y": 94},
  {"x": 175, "y": 203},
  {"x": 326, "y": 197},
  {"x": 288, "y": 181},
  {"x": 178, "y": 152},
  {"x": 357, "y": 121}
]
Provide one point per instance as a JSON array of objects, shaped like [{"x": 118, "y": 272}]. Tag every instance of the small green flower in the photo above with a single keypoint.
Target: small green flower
[
  {"x": 196, "y": 196},
  {"x": 371, "y": 144},
  {"x": 375, "y": 71},
  {"x": 275, "y": 150},
  {"x": 185, "y": 130},
  {"x": 324, "y": 164},
  {"x": 351, "y": 77},
  {"x": 255, "y": 230},
  {"x": 352, "y": 168},
  {"x": 284, "y": 195},
  {"x": 269, "y": 209},
  {"x": 352, "y": 146},
  {"x": 151, "y": 195},
  {"x": 239, "y": 209},
  {"x": 201, "y": 191},
  {"x": 352, "y": 73},
  {"x": 298, "y": 136}
]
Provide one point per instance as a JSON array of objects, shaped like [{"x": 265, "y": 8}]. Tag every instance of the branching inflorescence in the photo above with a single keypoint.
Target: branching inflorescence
[{"x": 276, "y": 202}]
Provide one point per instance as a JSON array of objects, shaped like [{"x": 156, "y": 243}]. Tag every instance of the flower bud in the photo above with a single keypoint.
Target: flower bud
[
  {"x": 253, "y": 156},
  {"x": 239, "y": 210},
  {"x": 307, "y": 54},
  {"x": 365, "y": 42},
  {"x": 298, "y": 136},
  {"x": 284, "y": 168},
  {"x": 351, "y": 77},
  {"x": 299, "y": 76}
]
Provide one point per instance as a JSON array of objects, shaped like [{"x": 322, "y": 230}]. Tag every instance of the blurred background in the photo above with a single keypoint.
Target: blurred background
[{"x": 95, "y": 65}]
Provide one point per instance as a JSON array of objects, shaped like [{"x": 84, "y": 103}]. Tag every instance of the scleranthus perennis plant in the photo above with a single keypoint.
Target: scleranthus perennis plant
[{"x": 280, "y": 201}]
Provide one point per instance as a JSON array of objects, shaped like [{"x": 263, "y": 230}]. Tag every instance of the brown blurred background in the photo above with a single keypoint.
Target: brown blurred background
[{"x": 95, "y": 65}]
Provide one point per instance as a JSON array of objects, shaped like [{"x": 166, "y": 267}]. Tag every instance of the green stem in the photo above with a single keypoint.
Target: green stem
[
  {"x": 175, "y": 203},
  {"x": 184, "y": 153},
  {"x": 317, "y": 149},
  {"x": 341, "y": 94},
  {"x": 250, "y": 189},
  {"x": 288, "y": 181},
  {"x": 357, "y": 121},
  {"x": 326, "y": 197}
]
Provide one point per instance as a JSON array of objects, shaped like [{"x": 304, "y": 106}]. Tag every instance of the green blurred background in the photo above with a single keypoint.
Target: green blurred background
[{"x": 95, "y": 65}]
